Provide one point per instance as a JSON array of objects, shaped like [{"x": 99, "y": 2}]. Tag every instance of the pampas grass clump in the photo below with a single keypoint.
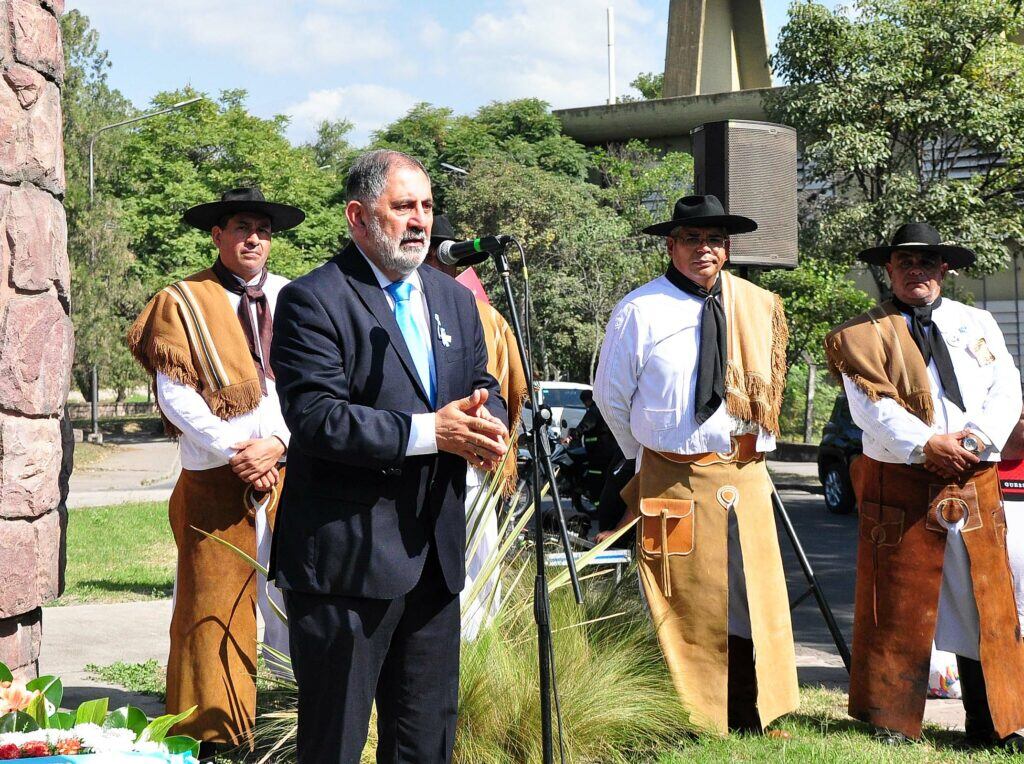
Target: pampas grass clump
[{"x": 618, "y": 703}]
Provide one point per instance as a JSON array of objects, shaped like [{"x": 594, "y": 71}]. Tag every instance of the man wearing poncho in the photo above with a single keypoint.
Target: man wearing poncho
[
  {"x": 205, "y": 340},
  {"x": 690, "y": 381},
  {"x": 932, "y": 385}
]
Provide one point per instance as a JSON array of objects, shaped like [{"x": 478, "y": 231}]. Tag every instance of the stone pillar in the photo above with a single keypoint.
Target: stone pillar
[{"x": 36, "y": 338}]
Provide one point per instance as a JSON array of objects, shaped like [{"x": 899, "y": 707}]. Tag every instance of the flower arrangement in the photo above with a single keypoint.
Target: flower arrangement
[{"x": 32, "y": 726}]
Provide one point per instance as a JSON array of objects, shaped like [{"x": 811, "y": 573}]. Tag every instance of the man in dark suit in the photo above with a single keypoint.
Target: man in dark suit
[{"x": 381, "y": 370}]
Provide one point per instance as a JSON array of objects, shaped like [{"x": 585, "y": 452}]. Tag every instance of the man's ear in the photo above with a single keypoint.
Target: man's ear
[
  {"x": 943, "y": 270},
  {"x": 215, "y": 234},
  {"x": 355, "y": 214}
]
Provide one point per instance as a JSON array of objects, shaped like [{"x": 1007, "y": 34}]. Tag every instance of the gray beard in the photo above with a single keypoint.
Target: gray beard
[{"x": 391, "y": 255}]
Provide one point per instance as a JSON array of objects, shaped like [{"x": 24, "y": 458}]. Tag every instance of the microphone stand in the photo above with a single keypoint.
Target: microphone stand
[{"x": 541, "y": 455}]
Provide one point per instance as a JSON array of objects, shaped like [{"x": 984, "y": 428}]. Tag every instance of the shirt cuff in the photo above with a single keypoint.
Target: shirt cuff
[{"x": 422, "y": 435}]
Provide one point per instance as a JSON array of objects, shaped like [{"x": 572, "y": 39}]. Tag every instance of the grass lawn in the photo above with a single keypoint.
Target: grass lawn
[
  {"x": 119, "y": 553},
  {"x": 822, "y": 732}
]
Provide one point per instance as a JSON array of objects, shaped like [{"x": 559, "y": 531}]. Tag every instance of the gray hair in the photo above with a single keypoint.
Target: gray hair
[{"x": 368, "y": 176}]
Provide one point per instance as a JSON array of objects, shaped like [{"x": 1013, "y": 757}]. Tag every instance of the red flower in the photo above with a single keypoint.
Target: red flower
[
  {"x": 34, "y": 749},
  {"x": 69, "y": 747},
  {"x": 9, "y": 751}
]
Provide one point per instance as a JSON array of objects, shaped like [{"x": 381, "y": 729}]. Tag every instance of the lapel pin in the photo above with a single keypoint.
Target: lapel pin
[{"x": 442, "y": 333}]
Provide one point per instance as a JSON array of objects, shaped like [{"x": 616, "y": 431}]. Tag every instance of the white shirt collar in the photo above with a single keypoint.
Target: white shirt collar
[{"x": 413, "y": 278}]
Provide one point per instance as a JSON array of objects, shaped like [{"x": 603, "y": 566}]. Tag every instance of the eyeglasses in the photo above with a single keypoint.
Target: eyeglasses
[{"x": 715, "y": 242}]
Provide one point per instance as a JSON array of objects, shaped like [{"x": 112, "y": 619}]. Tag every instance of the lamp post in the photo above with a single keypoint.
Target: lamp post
[{"x": 95, "y": 402}]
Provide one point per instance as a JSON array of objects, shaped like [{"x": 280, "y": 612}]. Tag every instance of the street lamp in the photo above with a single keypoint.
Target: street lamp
[{"x": 96, "y": 437}]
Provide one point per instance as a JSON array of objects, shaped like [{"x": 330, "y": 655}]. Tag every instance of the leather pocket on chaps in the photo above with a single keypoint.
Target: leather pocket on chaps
[
  {"x": 666, "y": 526},
  {"x": 881, "y": 525}
]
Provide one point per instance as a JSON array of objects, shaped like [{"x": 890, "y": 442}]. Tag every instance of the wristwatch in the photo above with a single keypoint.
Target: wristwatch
[{"x": 970, "y": 443}]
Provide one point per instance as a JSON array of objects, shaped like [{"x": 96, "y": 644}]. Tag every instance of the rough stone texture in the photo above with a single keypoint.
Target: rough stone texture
[
  {"x": 36, "y": 239},
  {"x": 30, "y": 462},
  {"x": 26, "y": 84},
  {"x": 20, "y": 638},
  {"x": 31, "y": 146},
  {"x": 36, "y": 339},
  {"x": 36, "y": 347},
  {"x": 37, "y": 38},
  {"x": 32, "y": 549}
]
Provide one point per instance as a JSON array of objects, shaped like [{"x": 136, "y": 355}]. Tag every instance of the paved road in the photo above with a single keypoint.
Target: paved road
[{"x": 138, "y": 470}]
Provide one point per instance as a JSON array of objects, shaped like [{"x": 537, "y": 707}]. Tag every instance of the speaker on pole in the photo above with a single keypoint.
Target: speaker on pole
[{"x": 751, "y": 167}]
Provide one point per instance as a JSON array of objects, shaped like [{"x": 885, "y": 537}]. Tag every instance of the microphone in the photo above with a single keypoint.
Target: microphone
[{"x": 453, "y": 252}]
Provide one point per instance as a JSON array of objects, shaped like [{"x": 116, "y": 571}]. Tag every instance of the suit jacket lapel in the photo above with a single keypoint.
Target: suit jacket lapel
[
  {"x": 366, "y": 286},
  {"x": 441, "y": 317}
]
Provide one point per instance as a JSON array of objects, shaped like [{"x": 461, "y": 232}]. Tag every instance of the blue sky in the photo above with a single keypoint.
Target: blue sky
[{"x": 370, "y": 60}]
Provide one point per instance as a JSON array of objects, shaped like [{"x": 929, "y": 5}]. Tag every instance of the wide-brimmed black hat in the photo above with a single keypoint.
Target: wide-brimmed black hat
[
  {"x": 442, "y": 231},
  {"x": 914, "y": 237},
  {"x": 702, "y": 212},
  {"x": 248, "y": 199}
]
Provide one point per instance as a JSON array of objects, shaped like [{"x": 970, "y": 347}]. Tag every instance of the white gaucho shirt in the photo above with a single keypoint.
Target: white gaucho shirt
[
  {"x": 991, "y": 390},
  {"x": 647, "y": 377},
  {"x": 206, "y": 440}
]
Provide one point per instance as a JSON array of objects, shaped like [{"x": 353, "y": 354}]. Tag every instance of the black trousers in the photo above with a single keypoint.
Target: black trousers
[
  {"x": 403, "y": 653},
  {"x": 978, "y": 724}
]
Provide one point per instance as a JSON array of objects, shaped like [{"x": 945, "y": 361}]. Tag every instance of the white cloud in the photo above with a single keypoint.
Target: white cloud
[
  {"x": 368, "y": 107},
  {"x": 558, "y": 51}
]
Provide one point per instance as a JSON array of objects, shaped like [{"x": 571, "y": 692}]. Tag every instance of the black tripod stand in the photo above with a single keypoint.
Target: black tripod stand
[{"x": 541, "y": 459}]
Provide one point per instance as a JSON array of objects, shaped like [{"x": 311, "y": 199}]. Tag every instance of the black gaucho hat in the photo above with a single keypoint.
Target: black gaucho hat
[
  {"x": 702, "y": 212},
  {"x": 248, "y": 199},
  {"x": 442, "y": 230},
  {"x": 913, "y": 237}
]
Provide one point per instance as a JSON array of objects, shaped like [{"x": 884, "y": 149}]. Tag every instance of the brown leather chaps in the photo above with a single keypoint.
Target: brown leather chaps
[
  {"x": 212, "y": 663},
  {"x": 899, "y": 575}
]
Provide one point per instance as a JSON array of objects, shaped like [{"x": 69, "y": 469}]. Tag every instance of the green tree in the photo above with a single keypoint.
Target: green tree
[
  {"x": 524, "y": 131},
  {"x": 105, "y": 287},
  {"x": 176, "y": 160},
  {"x": 894, "y": 102},
  {"x": 105, "y": 301},
  {"x": 581, "y": 258},
  {"x": 650, "y": 85}
]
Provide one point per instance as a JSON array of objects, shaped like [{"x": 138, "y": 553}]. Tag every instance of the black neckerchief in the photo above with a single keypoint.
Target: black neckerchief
[
  {"x": 932, "y": 346},
  {"x": 713, "y": 346},
  {"x": 250, "y": 295}
]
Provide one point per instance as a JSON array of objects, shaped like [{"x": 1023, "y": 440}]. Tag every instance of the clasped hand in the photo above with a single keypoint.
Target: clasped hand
[
  {"x": 255, "y": 461},
  {"x": 465, "y": 427},
  {"x": 946, "y": 457}
]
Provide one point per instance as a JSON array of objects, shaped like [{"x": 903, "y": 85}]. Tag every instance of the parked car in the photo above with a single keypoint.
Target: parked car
[
  {"x": 563, "y": 398},
  {"x": 840, "y": 445}
]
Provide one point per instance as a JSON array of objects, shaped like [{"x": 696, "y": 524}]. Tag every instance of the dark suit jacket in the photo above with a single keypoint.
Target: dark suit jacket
[{"x": 357, "y": 515}]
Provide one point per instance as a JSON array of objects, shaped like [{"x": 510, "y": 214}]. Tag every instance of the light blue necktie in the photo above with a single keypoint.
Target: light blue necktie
[{"x": 419, "y": 346}]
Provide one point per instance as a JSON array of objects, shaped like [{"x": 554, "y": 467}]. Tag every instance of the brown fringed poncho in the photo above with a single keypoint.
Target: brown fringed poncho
[
  {"x": 190, "y": 332},
  {"x": 876, "y": 351},
  {"x": 755, "y": 374}
]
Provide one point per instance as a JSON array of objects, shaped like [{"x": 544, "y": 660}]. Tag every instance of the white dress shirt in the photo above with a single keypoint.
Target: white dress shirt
[
  {"x": 206, "y": 440},
  {"x": 647, "y": 377},
  {"x": 422, "y": 432},
  {"x": 991, "y": 390}
]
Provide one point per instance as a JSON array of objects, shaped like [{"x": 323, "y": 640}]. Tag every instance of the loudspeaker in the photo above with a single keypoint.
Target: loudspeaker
[{"x": 751, "y": 168}]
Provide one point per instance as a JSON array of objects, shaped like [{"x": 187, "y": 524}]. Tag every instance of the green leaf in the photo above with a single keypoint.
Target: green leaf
[
  {"x": 127, "y": 717},
  {"x": 50, "y": 686},
  {"x": 17, "y": 721},
  {"x": 5, "y": 673},
  {"x": 182, "y": 744},
  {"x": 92, "y": 711},
  {"x": 63, "y": 720},
  {"x": 37, "y": 710},
  {"x": 157, "y": 729}
]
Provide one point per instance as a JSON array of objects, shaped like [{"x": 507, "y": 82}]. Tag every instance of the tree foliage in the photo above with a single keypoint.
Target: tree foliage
[
  {"x": 650, "y": 85},
  {"x": 893, "y": 101},
  {"x": 176, "y": 160}
]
